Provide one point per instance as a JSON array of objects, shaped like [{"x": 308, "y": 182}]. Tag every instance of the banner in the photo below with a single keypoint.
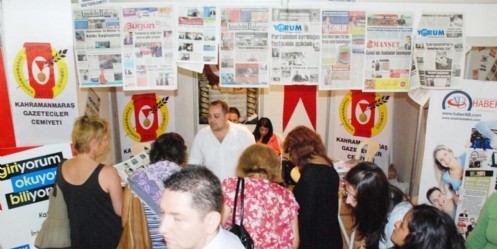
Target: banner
[
  {"x": 42, "y": 83},
  {"x": 362, "y": 116},
  {"x": 25, "y": 180},
  {"x": 143, "y": 117},
  {"x": 460, "y": 156}
]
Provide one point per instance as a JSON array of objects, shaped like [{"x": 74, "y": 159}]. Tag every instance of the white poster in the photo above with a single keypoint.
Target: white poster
[
  {"x": 40, "y": 61},
  {"x": 143, "y": 117},
  {"x": 25, "y": 181},
  {"x": 460, "y": 148},
  {"x": 363, "y": 116}
]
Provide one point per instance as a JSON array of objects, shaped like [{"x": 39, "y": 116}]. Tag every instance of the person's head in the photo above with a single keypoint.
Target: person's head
[
  {"x": 169, "y": 146},
  {"x": 426, "y": 227},
  {"x": 218, "y": 115},
  {"x": 90, "y": 134},
  {"x": 234, "y": 115},
  {"x": 368, "y": 193},
  {"x": 408, "y": 39},
  {"x": 302, "y": 144},
  {"x": 436, "y": 197},
  {"x": 263, "y": 130},
  {"x": 259, "y": 160},
  {"x": 190, "y": 208},
  {"x": 392, "y": 172},
  {"x": 443, "y": 157}
]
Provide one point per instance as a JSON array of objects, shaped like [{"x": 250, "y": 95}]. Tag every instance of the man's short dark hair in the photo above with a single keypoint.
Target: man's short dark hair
[
  {"x": 234, "y": 110},
  {"x": 430, "y": 191},
  {"x": 223, "y": 104},
  {"x": 201, "y": 184}
]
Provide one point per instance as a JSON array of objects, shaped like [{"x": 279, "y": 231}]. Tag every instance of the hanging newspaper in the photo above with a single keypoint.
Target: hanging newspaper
[
  {"x": 482, "y": 64},
  {"x": 244, "y": 47},
  {"x": 439, "y": 50},
  {"x": 387, "y": 62},
  {"x": 197, "y": 34},
  {"x": 148, "y": 48},
  {"x": 342, "y": 53},
  {"x": 98, "y": 47},
  {"x": 295, "y": 46}
]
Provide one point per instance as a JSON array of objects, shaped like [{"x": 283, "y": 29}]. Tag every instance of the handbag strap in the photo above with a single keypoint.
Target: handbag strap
[
  {"x": 240, "y": 182},
  {"x": 59, "y": 170}
]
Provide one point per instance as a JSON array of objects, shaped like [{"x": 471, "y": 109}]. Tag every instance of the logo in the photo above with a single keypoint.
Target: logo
[
  {"x": 457, "y": 100},
  {"x": 363, "y": 114},
  {"x": 145, "y": 117},
  {"x": 431, "y": 32},
  {"x": 287, "y": 27},
  {"x": 40, "y": 70}
]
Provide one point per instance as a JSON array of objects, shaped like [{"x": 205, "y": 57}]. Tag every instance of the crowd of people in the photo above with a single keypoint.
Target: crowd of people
[{"x": 189, "y": 199}]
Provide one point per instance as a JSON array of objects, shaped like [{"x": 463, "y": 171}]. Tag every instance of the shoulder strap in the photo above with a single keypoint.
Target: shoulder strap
[
  {"x": 59, "y": 170},
  {"x": 240, "y": 182}
]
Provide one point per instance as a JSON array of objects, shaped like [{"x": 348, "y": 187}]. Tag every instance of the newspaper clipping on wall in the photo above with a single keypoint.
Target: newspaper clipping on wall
[
  {"x": 342, "y": 49},
  {"x": 295, "y": 46},
  {"x": 438, "y": 50},
  {"x": 244, "y": 47},
  {"x": 148, "y": 48},
  {"x": 482, "y": 64},
  {"x": 97, "y": 42},
  {"x": 387, "y": 62},
  {"x": 197, "y": 34}
]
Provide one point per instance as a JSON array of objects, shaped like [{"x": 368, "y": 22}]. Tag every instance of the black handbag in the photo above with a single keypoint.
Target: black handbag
[{"x": 239, "y": 230}]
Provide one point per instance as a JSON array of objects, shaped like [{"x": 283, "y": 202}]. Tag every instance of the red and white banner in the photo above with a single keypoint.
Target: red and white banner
[
  {"x": 362, "y": 116},
  {"x": 41, "y": 79}
]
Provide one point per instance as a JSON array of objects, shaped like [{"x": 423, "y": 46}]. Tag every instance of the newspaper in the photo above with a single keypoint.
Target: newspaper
[
  {"x": 295, "y": 46},
  {"x": 148, "y": 48},
  {"x": 97, "y": 42},
  {"x": 482, "y": 64},
  {"x": 342, "y": 49},
  {"x": 197, "y": 34},
  {"x": 387, "y": 61},
  {"x": 128, "y": 167},
  {"x": 244, "y": 48},
  {"x": 438, "y": 50}
]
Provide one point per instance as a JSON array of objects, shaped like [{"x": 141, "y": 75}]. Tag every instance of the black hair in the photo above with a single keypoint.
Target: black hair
[
  {"x": 234, "y": 110},
  {"x": 430, "y": 191},
  {"x": 168, "y": 146},
  {"x": 263, "y": 122}
]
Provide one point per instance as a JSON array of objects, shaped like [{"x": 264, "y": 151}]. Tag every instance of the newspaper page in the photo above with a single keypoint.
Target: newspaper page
[
  {"x": 481, "y": 64},
  {"x": 439, "y": 50},
  {"x": 128, "y": 167},
  {"x": 342, "y": 53},
  {"x": 97, "y": 40},
  {"x": 197, "y": 34},
  {"x": 91, "y": 3},
  {"x": 244, "y": 47},
  {"x": 387, "y": 62},
  {"x": 148, "y": 48},
  {"x": 295, "y": 46}
]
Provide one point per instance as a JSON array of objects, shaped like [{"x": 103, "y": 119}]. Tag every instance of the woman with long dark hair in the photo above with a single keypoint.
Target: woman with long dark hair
[
  {"x": 376, "y": 204},
  {"x": 263, "y": 134}
]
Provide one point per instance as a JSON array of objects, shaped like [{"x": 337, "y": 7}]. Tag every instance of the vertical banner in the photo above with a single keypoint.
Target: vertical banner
[
  {"x": 25, "y": 181},
  {"x": 144, "y": 117},
  {"x": 460, "y": 156},
  {"x": 363, "y": 116},
  {"x": 42, "y": 82}
]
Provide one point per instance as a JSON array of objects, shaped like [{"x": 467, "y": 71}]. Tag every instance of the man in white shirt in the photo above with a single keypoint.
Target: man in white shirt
[
  {"x": 191, "y": 212},
  {"x": 219, "y": 145}
]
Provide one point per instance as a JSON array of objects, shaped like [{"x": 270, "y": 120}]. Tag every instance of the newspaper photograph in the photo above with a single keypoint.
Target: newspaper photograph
[
  {"x": 197, "y": 31},
  {"x": 438, "y": 50},
  {"x": 128, "y": 167},
  {"x": 295, "y": 46},
  {"x": 244, "y": 48},
  {"x": 388, "y": 52},
  {"x": 97, "y": 40},
  {"x": 342, "y": 51},
  {"x": 481, "y": 64},
  {"x": 149, "y": 48}
]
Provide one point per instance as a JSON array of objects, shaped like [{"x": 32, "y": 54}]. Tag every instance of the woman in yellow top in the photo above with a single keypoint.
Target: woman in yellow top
[{"x": 263, "y": 134}]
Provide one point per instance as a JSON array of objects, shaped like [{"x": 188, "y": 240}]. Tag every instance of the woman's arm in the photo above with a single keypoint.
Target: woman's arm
[
  {"x": 225, "y": 215},
  {"x": 111, "y": 183},
  {"x": 295, "y": 230}
]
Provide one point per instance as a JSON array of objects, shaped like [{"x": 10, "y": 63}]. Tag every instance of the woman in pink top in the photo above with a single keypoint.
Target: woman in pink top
[
  {"x": 263, "y": 134},
  {"x": 270, "y": 210}
]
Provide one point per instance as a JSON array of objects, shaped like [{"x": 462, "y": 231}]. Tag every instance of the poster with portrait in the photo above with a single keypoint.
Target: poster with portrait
[{"x": 459, "y": 160}]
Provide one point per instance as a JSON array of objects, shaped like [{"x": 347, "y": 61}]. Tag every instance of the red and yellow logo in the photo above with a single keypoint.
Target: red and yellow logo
[
  {"x": 40, "y": 70},
  {"x": 363, "y": 114},
  {"x": 145, "y": 117}
]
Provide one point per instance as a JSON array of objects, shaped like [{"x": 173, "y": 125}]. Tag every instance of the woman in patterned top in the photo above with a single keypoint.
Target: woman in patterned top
[{"x": 270, "y": 214}]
